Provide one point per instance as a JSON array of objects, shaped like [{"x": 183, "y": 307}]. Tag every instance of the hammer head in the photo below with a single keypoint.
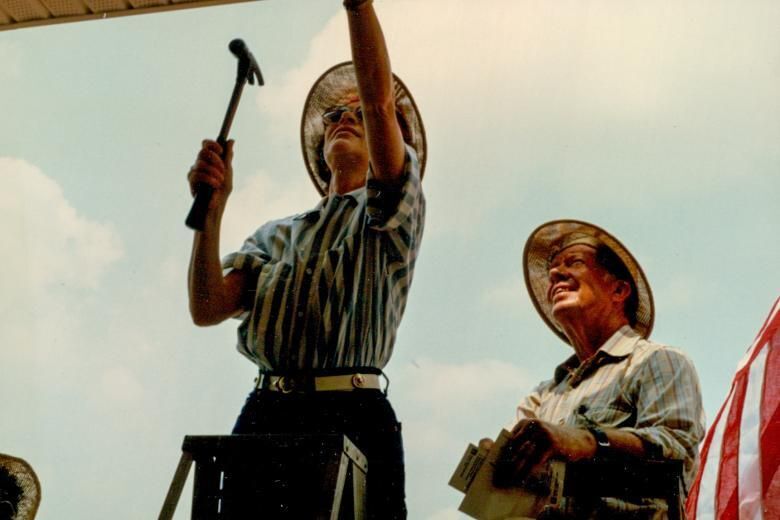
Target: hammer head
[{"x": 248, "y": 68}]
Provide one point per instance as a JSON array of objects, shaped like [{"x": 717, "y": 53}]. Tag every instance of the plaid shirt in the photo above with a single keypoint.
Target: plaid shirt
[
  {"x": 330, "y": 285},
  {"x": 635, "y": 385}
]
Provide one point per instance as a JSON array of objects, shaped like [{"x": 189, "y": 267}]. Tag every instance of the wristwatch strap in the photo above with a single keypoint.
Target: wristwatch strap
[{"x": 602, "y": 441}]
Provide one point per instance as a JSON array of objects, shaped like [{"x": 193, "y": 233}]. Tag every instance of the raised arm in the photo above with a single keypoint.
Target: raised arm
[
  {"x": 212, "y": 296},
  {"x": 375, "y": 88}
]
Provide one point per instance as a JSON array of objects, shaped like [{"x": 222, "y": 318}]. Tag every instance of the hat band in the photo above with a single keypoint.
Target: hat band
[{"x": 574, "y": 239}]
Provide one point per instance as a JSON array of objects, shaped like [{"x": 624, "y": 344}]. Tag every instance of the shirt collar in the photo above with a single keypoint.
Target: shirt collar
[
  {"x": 313, "y": 215},
  {"x": 617, "y": 347},
  {"x": 621, "y": 343}
]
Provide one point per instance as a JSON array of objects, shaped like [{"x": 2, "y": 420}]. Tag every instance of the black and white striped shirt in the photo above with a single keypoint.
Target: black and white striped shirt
[{"x": 331, "y": 283}]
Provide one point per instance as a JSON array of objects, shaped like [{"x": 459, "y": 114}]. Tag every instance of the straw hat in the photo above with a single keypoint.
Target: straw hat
[
  {"x": 550, "y": 238},
  {"x": 327, "y": 92},
  {"x": 20, "y": 491}
]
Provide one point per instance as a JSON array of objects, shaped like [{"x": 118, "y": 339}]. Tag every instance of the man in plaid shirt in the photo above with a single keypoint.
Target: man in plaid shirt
[{"x": 619, "y": 395}]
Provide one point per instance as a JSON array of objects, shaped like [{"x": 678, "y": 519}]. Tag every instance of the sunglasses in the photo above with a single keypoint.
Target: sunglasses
[{"x": 333, "y": 114}]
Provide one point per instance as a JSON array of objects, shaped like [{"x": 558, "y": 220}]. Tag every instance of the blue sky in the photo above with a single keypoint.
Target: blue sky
[{"x": 658, "y": 121}]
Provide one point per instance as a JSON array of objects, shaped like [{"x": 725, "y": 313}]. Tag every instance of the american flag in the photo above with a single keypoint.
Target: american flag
[{"x": 738, "y": 477}]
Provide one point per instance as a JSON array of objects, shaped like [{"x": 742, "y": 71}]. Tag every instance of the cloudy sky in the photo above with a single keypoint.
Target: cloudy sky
[{"x": 659, "y": 121}]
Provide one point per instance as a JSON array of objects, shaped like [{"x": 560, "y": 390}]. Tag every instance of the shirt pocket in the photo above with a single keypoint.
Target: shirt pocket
[
  {"x": 612, "y": 415},
  {"x": 271, "y": 289},
  {"x": 342, "y": 256}
]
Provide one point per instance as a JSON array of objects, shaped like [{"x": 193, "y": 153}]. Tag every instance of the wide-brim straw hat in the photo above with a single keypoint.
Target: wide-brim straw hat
[
  {"x": 550, "y": 238},
  {"x": 28, "y": 482},
  {"x": 328, "y": 91}
]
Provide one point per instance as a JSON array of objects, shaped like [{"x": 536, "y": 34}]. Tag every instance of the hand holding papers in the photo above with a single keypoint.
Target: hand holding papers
[{"x": 484, "y": 501}]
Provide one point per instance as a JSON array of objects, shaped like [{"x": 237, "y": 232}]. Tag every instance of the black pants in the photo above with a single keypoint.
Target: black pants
[{"x": 365, "y": 416}]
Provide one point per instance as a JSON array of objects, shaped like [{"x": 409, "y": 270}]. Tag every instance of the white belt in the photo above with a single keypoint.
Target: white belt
[{"x": 308, "y": 383}]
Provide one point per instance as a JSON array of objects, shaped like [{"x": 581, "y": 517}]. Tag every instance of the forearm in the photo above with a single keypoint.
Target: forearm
[
  {"x": 377, "y": 97},
  {"x": 579, "y": 443},
  {"x": 207, "y": 288},
  {"x": 212, "y": 297},
  {"x": 624, "y": 444},
  {"x": 370, "y": 56}
]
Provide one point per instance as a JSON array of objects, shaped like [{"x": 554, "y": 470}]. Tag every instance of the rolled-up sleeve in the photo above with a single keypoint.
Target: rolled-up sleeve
[
  {"x": 251, "y": 258},
  {"x": 397, "y": 208},
  {"x": 529, "y": 406},
  {"x": 670, "y": 417},
  {"x": 252, "y": 255}
]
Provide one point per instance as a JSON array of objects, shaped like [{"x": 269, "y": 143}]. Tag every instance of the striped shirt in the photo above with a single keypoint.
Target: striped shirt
[
  {"x": 330, "y": 285},
  {"x": 641, "y": 387}
]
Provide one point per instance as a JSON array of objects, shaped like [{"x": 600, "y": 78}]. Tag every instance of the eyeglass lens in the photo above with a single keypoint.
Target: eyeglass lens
[{"x": 333, "y": 115}]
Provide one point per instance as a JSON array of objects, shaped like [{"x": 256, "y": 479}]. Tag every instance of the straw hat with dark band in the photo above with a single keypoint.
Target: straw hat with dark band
[
  {"x": 549, "y": 239},
  {"x": 327, "y": 92}
]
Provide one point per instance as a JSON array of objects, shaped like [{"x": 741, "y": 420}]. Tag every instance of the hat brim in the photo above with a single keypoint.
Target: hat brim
[
  {"x": 536, "y": 255},
  {"x": 326, "y": 92},
  {"x": 28, "y": 482}
]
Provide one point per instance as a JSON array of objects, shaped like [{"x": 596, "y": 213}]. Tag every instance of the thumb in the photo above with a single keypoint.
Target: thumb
[{"x": 229, "y": 151}]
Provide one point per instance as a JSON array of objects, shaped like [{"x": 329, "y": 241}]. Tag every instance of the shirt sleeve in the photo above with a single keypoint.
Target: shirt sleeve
[
  {"x": 252, "y": 255},
  {"x": 397, "y": 208},
  {"x": 529, "y": 406},
  {"x": 670, "y": 416}
]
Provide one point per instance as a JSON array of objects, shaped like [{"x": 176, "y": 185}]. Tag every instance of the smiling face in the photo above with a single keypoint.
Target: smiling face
[{"x": 581, "y": 291}]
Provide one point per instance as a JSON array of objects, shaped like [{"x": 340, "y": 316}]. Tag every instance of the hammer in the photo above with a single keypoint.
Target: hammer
[{"x": 247, "y": 71}]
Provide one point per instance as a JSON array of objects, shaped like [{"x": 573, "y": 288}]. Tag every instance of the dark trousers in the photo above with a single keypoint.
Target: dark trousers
[{"x": 365, "y": 416}]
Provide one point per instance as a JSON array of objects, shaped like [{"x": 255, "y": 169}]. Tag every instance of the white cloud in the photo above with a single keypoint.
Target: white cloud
[
  {"x": 54, "y": 261},
  {"x": 47, "y": 242},
  {"x": 282, "y": 101},
  {"x": 445, "y": 405},
  {"x": 508, "y": 47},
  {"x": 594, "y": 99},
  {"x": 449, "y": 388},
  {"x": 259, "y": 198}
]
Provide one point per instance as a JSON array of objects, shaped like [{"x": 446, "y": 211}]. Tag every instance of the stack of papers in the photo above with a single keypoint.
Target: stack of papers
[{"x": 474, "y": 478}]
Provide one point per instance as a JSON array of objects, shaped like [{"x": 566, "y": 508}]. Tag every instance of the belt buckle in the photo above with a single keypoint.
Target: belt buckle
[{"x": 285, "y": 384}]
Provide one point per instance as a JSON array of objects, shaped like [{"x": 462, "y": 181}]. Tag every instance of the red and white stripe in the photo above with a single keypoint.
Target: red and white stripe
[{"x": 738, "y": 477}]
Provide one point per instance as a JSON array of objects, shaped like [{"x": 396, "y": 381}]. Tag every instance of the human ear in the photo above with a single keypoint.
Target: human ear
[{"x": 622, "y": 289}]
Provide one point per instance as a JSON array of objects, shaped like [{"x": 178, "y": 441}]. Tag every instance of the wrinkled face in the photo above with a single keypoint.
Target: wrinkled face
[
  {"x": 346, "y": 134},
  {"x": 580, "y": 289}
]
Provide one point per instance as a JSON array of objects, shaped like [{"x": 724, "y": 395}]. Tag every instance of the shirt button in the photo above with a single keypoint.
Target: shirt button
[
  {"x": 300, "y": 314},
  {"x": 308, "y": 270},
  {"x": 561, "y": 421}
]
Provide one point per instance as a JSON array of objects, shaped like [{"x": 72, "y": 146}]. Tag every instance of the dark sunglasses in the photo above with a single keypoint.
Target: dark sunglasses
[{"x": 333, "y": 114}]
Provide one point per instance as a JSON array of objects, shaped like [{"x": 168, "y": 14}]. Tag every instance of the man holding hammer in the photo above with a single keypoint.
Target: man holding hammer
[{"x": 321, "y": 294}]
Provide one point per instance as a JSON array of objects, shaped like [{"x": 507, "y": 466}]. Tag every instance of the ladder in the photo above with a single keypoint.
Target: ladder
[{"x": 271, "y": 476}]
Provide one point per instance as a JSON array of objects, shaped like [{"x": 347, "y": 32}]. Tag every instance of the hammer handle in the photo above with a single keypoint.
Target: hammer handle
[{"x": 196, "y": 219}]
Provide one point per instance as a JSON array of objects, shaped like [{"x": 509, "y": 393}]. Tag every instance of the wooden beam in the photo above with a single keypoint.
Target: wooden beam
[{"x": 114, "y": 12}]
